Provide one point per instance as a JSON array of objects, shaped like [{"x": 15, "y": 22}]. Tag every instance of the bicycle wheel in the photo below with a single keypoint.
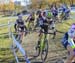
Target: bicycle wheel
[{"x": 44, "y": 52}]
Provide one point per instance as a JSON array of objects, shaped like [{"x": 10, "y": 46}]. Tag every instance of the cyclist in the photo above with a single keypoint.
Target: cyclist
[
  {"x": 43, "y": 23},
  {"x": 54, "y": 11},
  {"x": 39, "y": 14},
  {"x": 51, "y": 23},
  {"x": 20, "y": 27},
  {"x": 30, "y": 20},
  {"x": 68, "y": 42},
  {"x": 36, "y": 20},
  {"x": 65, "y": 11}
]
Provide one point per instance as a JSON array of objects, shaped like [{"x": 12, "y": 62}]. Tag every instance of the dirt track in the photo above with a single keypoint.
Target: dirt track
[{"x": 56, "y": 51}]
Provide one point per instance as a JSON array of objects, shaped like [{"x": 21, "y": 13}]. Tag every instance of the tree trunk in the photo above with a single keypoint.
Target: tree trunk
[{"x": 72, "y": 2}]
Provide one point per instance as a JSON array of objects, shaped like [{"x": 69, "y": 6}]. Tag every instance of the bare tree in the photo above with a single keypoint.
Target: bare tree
[
  {"x": 39, "y": 3},
  {"x": 71, "y": 2}
]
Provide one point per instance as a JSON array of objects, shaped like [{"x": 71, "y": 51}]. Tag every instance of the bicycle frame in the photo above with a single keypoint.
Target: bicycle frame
[{"x": 42, "y": 44}]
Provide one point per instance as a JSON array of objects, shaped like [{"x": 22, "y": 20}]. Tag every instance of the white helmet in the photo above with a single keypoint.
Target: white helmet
[
  {"x": 20, "y": 16},
  {"x": 71, "y": 32}
]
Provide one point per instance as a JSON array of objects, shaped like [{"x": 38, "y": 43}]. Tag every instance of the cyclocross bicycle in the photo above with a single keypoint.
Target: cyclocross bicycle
[{"x": 42, "y": 48}]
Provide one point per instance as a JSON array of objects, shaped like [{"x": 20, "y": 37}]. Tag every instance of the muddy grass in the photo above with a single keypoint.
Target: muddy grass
[{"x": 56, "y": 50}]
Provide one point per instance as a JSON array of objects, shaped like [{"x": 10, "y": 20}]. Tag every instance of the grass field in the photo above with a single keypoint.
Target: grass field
[{"x": 30, "y": 41}]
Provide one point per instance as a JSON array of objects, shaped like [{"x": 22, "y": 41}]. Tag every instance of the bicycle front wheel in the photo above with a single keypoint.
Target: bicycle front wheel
[{"x": 44, "y": 52}]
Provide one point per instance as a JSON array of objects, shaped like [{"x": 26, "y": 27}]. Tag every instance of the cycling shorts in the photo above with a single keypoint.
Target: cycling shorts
[{"x": 21, "y": 29}]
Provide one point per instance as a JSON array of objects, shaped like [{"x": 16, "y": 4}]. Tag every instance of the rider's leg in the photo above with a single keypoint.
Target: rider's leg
[
  {"x": 54, "y": 32},
  {"x": 16, "y": 36},
  {"x": 46, "y": 31},
  {"x": 26, "y": 31},
  {"x": 40, "y": 34},
  {"x": 28, "y": 25},
  {"x": 71, "y": 55},
  {"x": 32, "y": 25},
  {"x": 22, "y": 36}
]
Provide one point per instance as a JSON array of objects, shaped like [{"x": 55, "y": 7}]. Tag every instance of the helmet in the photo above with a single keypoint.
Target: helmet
[
  {"x": 73, "y": 26},
  {"x": 49, "y": 15},
  {"x": 20, "y": 16},
  {"x": 71, "y": 32}
]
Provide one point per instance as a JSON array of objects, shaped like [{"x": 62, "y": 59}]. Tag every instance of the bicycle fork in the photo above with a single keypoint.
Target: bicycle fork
[{"x": 42, "y": 45}]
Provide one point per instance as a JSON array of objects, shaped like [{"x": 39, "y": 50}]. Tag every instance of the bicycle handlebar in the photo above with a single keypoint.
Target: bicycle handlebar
[{"x": 44, "y": 32}]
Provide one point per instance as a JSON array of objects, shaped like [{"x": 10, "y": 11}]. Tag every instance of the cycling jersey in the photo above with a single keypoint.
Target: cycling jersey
[
  {"x": 54, "y": 11},
  {"x": 19, "y": 25},
  {"x": 67, "y": 41},
  {"x": 40, "y": 21},
  {"x": 43, "y": 23}
]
